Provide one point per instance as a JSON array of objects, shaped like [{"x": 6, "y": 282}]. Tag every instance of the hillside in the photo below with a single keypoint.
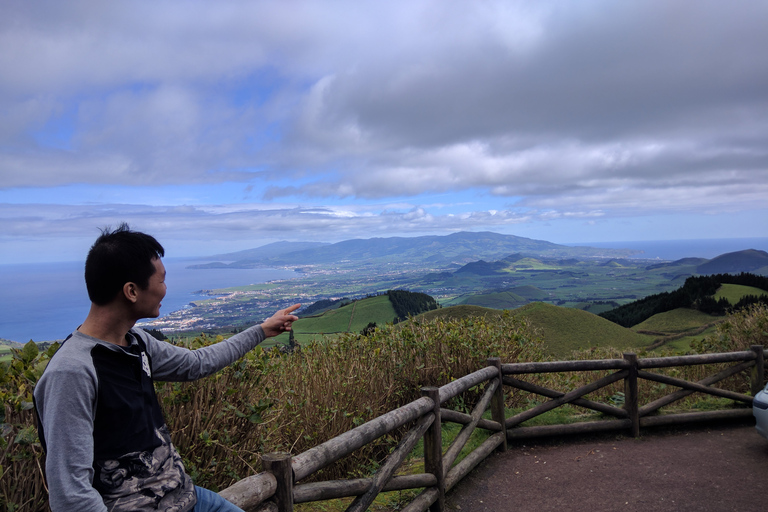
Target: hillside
[
  {"x": 566, "y": 329},
  {"x": 674, "y": 322},
  {"x": 352, "y": 317},
  {"x": 355, "y": 316},
  {"x": 698, "y": 292},
  {"x": 734, "y": 293}
]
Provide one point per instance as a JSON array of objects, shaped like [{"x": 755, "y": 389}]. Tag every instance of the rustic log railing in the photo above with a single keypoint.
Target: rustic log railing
[{"x": 280, "y": 486}]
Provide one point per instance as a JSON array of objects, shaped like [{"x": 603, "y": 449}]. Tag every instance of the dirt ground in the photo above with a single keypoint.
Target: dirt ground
[{"x": 702, "y": 469}]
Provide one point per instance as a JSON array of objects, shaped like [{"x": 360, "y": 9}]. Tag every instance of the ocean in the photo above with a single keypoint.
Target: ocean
[
  {"x": 47, "y": 301},
  {"x": 677, "y": 249}
]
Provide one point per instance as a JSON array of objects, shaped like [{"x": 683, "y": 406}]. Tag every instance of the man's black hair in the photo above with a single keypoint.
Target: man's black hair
[{"x": 118, "y": 257}]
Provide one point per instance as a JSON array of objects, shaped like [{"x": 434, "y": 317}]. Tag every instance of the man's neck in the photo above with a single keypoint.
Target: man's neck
[{"x": 108, "y": 324}]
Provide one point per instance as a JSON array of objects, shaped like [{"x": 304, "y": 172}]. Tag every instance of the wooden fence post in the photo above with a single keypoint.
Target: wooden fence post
[
  {"x": 631, "y": 394},
  {"x": 497, "y": 404},
  {"x": 433, "y": 449},
  {"x": 279, "y": 465},
  {"x": 758, "y": 372}
]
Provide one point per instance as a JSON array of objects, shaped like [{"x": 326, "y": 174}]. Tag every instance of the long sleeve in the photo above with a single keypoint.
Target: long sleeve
[
  {"x": 173, "y": 363},
  {"x": 65, "y": 399}
]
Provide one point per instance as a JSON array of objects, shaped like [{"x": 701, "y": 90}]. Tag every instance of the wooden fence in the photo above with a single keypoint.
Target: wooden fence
[{"x": 280, "y": 486}]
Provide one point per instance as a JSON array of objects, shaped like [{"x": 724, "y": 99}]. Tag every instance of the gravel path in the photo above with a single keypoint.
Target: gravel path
[{"x": 700, "y": 469}]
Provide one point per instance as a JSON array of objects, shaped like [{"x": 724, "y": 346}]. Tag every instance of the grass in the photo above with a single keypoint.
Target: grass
[
  {"x": 352, "y": 317},
  {"x": 565, "y": 330},
  {"x": 5, "y": 353},
  {"x": 683, "y": 344},
  {"x": 734, "y": 292},
  {"x": 676, "y": 321}
]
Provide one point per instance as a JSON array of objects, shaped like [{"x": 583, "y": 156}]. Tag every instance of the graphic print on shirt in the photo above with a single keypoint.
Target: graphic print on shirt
[{"x": 146, "y": 480}]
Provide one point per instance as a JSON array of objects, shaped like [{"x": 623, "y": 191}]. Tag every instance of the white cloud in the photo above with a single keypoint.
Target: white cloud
[{"x": 560, "y": 108}]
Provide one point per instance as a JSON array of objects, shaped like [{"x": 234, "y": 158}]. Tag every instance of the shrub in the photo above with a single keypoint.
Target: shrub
[{"x": 273, "y": 402}]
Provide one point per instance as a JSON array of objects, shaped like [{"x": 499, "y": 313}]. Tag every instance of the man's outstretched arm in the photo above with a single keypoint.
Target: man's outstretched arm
[{"x": 174, "y": 363}]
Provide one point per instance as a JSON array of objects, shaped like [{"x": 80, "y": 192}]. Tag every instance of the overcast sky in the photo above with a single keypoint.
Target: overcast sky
[{"x": 231, "y": 124}]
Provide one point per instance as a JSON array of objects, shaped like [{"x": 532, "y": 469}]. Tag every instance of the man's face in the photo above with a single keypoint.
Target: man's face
[{"x": 149, "y": 300}]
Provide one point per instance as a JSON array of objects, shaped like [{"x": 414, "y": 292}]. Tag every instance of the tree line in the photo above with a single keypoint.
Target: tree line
[
  {"x": 697, "y": 293},
  {"x": 408, "y": 303}
]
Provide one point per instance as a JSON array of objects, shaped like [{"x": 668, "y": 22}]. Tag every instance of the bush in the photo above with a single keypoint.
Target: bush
[{"x": 273, "y": 402}]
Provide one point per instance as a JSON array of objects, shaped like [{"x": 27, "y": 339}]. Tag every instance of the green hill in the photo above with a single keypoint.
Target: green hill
[
  {"x": 733, "y": 293},
  {"x": 698, "y": 292},
  {"x": 353, "y": 317},
  {"x": 675, "y": 321},
  {"x": 567, "y": 329}
]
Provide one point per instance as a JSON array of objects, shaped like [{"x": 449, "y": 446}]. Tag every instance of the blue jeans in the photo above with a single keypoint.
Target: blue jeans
[{"x": 209, "y": 501}]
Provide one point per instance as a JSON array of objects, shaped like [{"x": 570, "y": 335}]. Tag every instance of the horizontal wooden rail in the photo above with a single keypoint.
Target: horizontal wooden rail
[
  {"x": 249, "y": 492},
  {"x": 281, "y": 485},
  {"x": 320, "y": 491},
  {"x": 587, "y": 427},
  {"x": 340, "y": 446},
  {"x": 564, "y": 366},
  {"x": 698, "y": 359}
]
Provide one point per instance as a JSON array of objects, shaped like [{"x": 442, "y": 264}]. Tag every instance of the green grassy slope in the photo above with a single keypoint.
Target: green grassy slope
[
  {"x": 676, "y": 321},
  {"x": 566, "y": 329},
  {"x": 5, "y": 353},
  {"x": 563, "y": 329},
  {"x": 734, "y": 292},
  {"x": 352, "y": 317}
]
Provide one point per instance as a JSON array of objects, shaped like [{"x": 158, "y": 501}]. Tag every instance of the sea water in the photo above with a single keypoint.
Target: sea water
[
  {"x": 671, "y": 250},
  {"x": 47, "y": 301}
]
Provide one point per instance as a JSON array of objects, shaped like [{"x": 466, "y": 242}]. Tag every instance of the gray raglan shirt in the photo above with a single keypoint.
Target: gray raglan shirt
[{"x": 107, "y": 444}]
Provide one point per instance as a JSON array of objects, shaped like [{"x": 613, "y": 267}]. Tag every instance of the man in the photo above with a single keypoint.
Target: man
[{"x": 107, "y": 444}]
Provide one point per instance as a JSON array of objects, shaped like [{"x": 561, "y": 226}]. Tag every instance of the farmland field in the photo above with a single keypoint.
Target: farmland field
[{"x": 5, "y": 353}]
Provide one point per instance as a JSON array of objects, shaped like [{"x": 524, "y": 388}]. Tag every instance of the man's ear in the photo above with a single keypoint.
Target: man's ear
[{"x": 130, "y": 290}]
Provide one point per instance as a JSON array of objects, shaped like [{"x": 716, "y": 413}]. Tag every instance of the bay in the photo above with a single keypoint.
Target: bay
[{"x": 47, "y": 301}]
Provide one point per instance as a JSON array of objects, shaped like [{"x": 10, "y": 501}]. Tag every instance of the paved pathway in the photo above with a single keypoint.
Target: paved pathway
[{"x": 706, "y": 469}]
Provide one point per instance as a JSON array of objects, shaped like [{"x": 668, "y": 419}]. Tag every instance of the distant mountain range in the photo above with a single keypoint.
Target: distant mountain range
[
  {"x": 455, "y": 249},
  {"x": 749, "y": 260}
]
